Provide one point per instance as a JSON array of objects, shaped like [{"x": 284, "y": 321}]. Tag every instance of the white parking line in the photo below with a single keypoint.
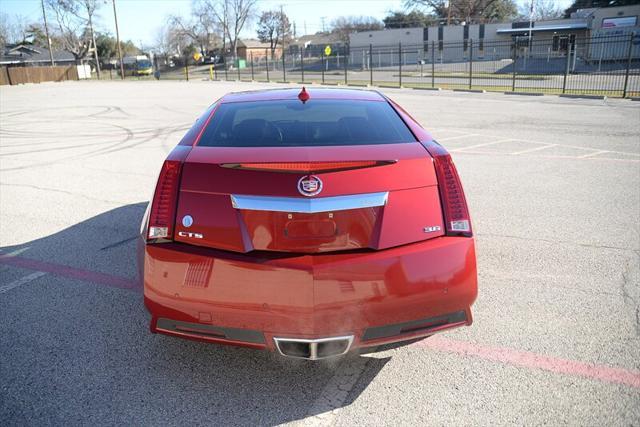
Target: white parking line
[
  {"x": 21, "y": 281},
  {"x": 531, "y": 150},
  {"x": 595, "y": 153},
  {"x": 457, "y": 137},
  {"x": 481, "y": 145}
]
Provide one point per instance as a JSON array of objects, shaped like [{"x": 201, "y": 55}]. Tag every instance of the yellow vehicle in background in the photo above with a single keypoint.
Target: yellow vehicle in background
[{"x": 138, "y": 65}]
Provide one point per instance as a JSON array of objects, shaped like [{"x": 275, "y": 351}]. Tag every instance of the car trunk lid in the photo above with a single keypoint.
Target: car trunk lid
[{"x": 252, "y": 198}]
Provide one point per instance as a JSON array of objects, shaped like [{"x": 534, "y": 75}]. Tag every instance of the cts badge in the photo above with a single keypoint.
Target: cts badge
[
  {"x": 190, "y": 235},
  {"x": 309, "y": 185}
]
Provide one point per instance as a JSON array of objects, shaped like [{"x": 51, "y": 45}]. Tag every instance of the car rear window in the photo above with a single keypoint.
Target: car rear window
[{"x": 314, "y": 123}]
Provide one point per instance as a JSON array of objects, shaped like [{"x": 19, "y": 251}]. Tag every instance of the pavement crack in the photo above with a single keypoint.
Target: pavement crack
[
  {"x": 558, "y": 242},
  {"x": 55, "y": 190},
  {"x": 121, "y": 242},
  {"x": 628, "y": 298}
]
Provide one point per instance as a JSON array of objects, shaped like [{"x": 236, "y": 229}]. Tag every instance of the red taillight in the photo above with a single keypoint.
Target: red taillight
[
  {"x": 165, "y": 199},
  {"x": 454, "y": 204}
]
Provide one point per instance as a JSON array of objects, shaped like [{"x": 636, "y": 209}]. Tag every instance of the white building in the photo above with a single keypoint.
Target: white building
[{"x": 495, "y": 41}]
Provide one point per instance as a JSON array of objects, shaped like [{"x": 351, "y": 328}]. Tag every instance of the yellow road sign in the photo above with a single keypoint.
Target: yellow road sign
[
  {"x": 327, "y": 50},
  {"x": 197, "y": 56}
]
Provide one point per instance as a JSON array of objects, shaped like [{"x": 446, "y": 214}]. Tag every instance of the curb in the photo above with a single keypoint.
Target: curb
[
  {"x": 437, "y": 89},
  {"x": 470, "y": 90},
  {"x": 390, "y": 87},
  {"x": 525, "y": 93},
  {"x": 566, "y": 95}
]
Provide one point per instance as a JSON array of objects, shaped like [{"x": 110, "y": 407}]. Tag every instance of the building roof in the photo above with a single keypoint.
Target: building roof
[
  {"x": 26, "y": 53},
  {"x": 545, "y": 28},
  {"x": 255, "y": 44},
  {"x": 317, "y": 39}
]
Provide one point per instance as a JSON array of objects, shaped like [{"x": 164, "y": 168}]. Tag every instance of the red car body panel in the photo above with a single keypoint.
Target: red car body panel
[{"x": 250, "y": 276}]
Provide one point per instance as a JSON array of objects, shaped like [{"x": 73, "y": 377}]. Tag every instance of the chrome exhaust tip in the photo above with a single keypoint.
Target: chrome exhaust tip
[{"x": 315, "y": 349}]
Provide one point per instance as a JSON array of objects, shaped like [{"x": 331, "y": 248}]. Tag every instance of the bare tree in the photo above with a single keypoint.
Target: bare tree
[
  {"x": 13, "y": 29},
  {"x": 232, "y": 15},
  {"x": 4, "y": 29},
  {"x": 202, "y": 28},
  {"x": 542, "y": 10},
  {"x": 469, "y": 11},
  {"x": 273, "y": 27},
  {"x": 73, "y": 33},
  {"x": 89, "y": 7},
  {"x": 345, "y": 25}
]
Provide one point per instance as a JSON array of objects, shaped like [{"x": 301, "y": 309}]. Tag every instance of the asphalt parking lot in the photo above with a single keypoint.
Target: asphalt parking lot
[{"x": 554, "y": 190}]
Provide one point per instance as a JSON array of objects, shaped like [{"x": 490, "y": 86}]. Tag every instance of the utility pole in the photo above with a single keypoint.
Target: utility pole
[
  {"x": 322, "y": 18},
  {"x": 115, "y": 16},
  {"x": 449, "y": 12},
  {"x": 95, "y": 47},
  {"x": 282, "y": 29},
  {"x": 530, "y": 44},
  {"x": 46, "y": 30}
]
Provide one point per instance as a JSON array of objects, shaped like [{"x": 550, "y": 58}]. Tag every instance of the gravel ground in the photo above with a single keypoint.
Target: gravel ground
[{"x": 553, "y": 186}]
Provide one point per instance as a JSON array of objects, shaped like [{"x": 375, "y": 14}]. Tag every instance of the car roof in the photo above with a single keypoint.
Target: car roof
[{"x": 292, "y": 93}]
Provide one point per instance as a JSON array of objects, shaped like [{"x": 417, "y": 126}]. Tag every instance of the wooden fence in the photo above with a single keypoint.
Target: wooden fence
[{"x": 19, "y": 75}]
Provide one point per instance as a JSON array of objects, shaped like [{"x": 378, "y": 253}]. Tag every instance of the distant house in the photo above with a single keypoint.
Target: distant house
[
  {"x": 315, "y": 44},
  {"x": 250, "y": 48},
  {"x": 29, "y": 55}
]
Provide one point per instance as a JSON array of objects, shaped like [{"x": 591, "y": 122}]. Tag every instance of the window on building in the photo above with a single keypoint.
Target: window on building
[
  {"x": 465, "y": 37},
  {"x": 425, "y": 39}
]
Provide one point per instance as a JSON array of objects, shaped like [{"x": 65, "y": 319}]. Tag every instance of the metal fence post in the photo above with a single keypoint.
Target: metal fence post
[
  {"x": 566, "y": 68},
  {"x": 346, "y": 58},
  {"x": 626, "y": 73},
  {"x": 226, "y": 72},
  {"x": 284, "y": 72},
  {"x": 215, "y": 72},
  {"x": 433, "y": 64},
  {"x": 470, "y": 63},
  {"x": 186, "y": 67},
  {"x": 370, "y": 64},
  {"x": 252, "y": 66},
  {"x": 514, "y": 63},
  {"x": 399, "y": 64},
  {"x": 323, "y": 66},
  {"x": 266, "y": 62},
  {"x": 302, "y": 64}
]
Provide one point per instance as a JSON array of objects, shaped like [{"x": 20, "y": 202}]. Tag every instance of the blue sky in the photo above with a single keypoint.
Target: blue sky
[{"x": 139, "y": 19}]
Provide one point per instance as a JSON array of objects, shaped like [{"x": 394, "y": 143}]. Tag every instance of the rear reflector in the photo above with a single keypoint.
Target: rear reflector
[
  {"x": 307, "y": 167},
  {"x": 454, "y": 204},
  {"x": 163, "y": 207}
]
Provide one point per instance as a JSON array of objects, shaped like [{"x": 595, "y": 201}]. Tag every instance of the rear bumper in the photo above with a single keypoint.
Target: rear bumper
[{"x": 248, "y": 300}]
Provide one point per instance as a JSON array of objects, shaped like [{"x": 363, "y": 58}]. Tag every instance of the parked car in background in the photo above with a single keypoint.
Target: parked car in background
[{"x": 138, "y": 65}]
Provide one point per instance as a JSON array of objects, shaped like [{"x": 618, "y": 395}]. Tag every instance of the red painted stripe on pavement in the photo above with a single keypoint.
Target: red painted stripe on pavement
[
  {"x": 70, "y": 272},
  {"x": 530, "y": 360}
]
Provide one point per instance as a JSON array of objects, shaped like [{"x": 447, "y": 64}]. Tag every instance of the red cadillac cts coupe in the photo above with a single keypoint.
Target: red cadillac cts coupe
[{"x": 310, "y": 223}]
